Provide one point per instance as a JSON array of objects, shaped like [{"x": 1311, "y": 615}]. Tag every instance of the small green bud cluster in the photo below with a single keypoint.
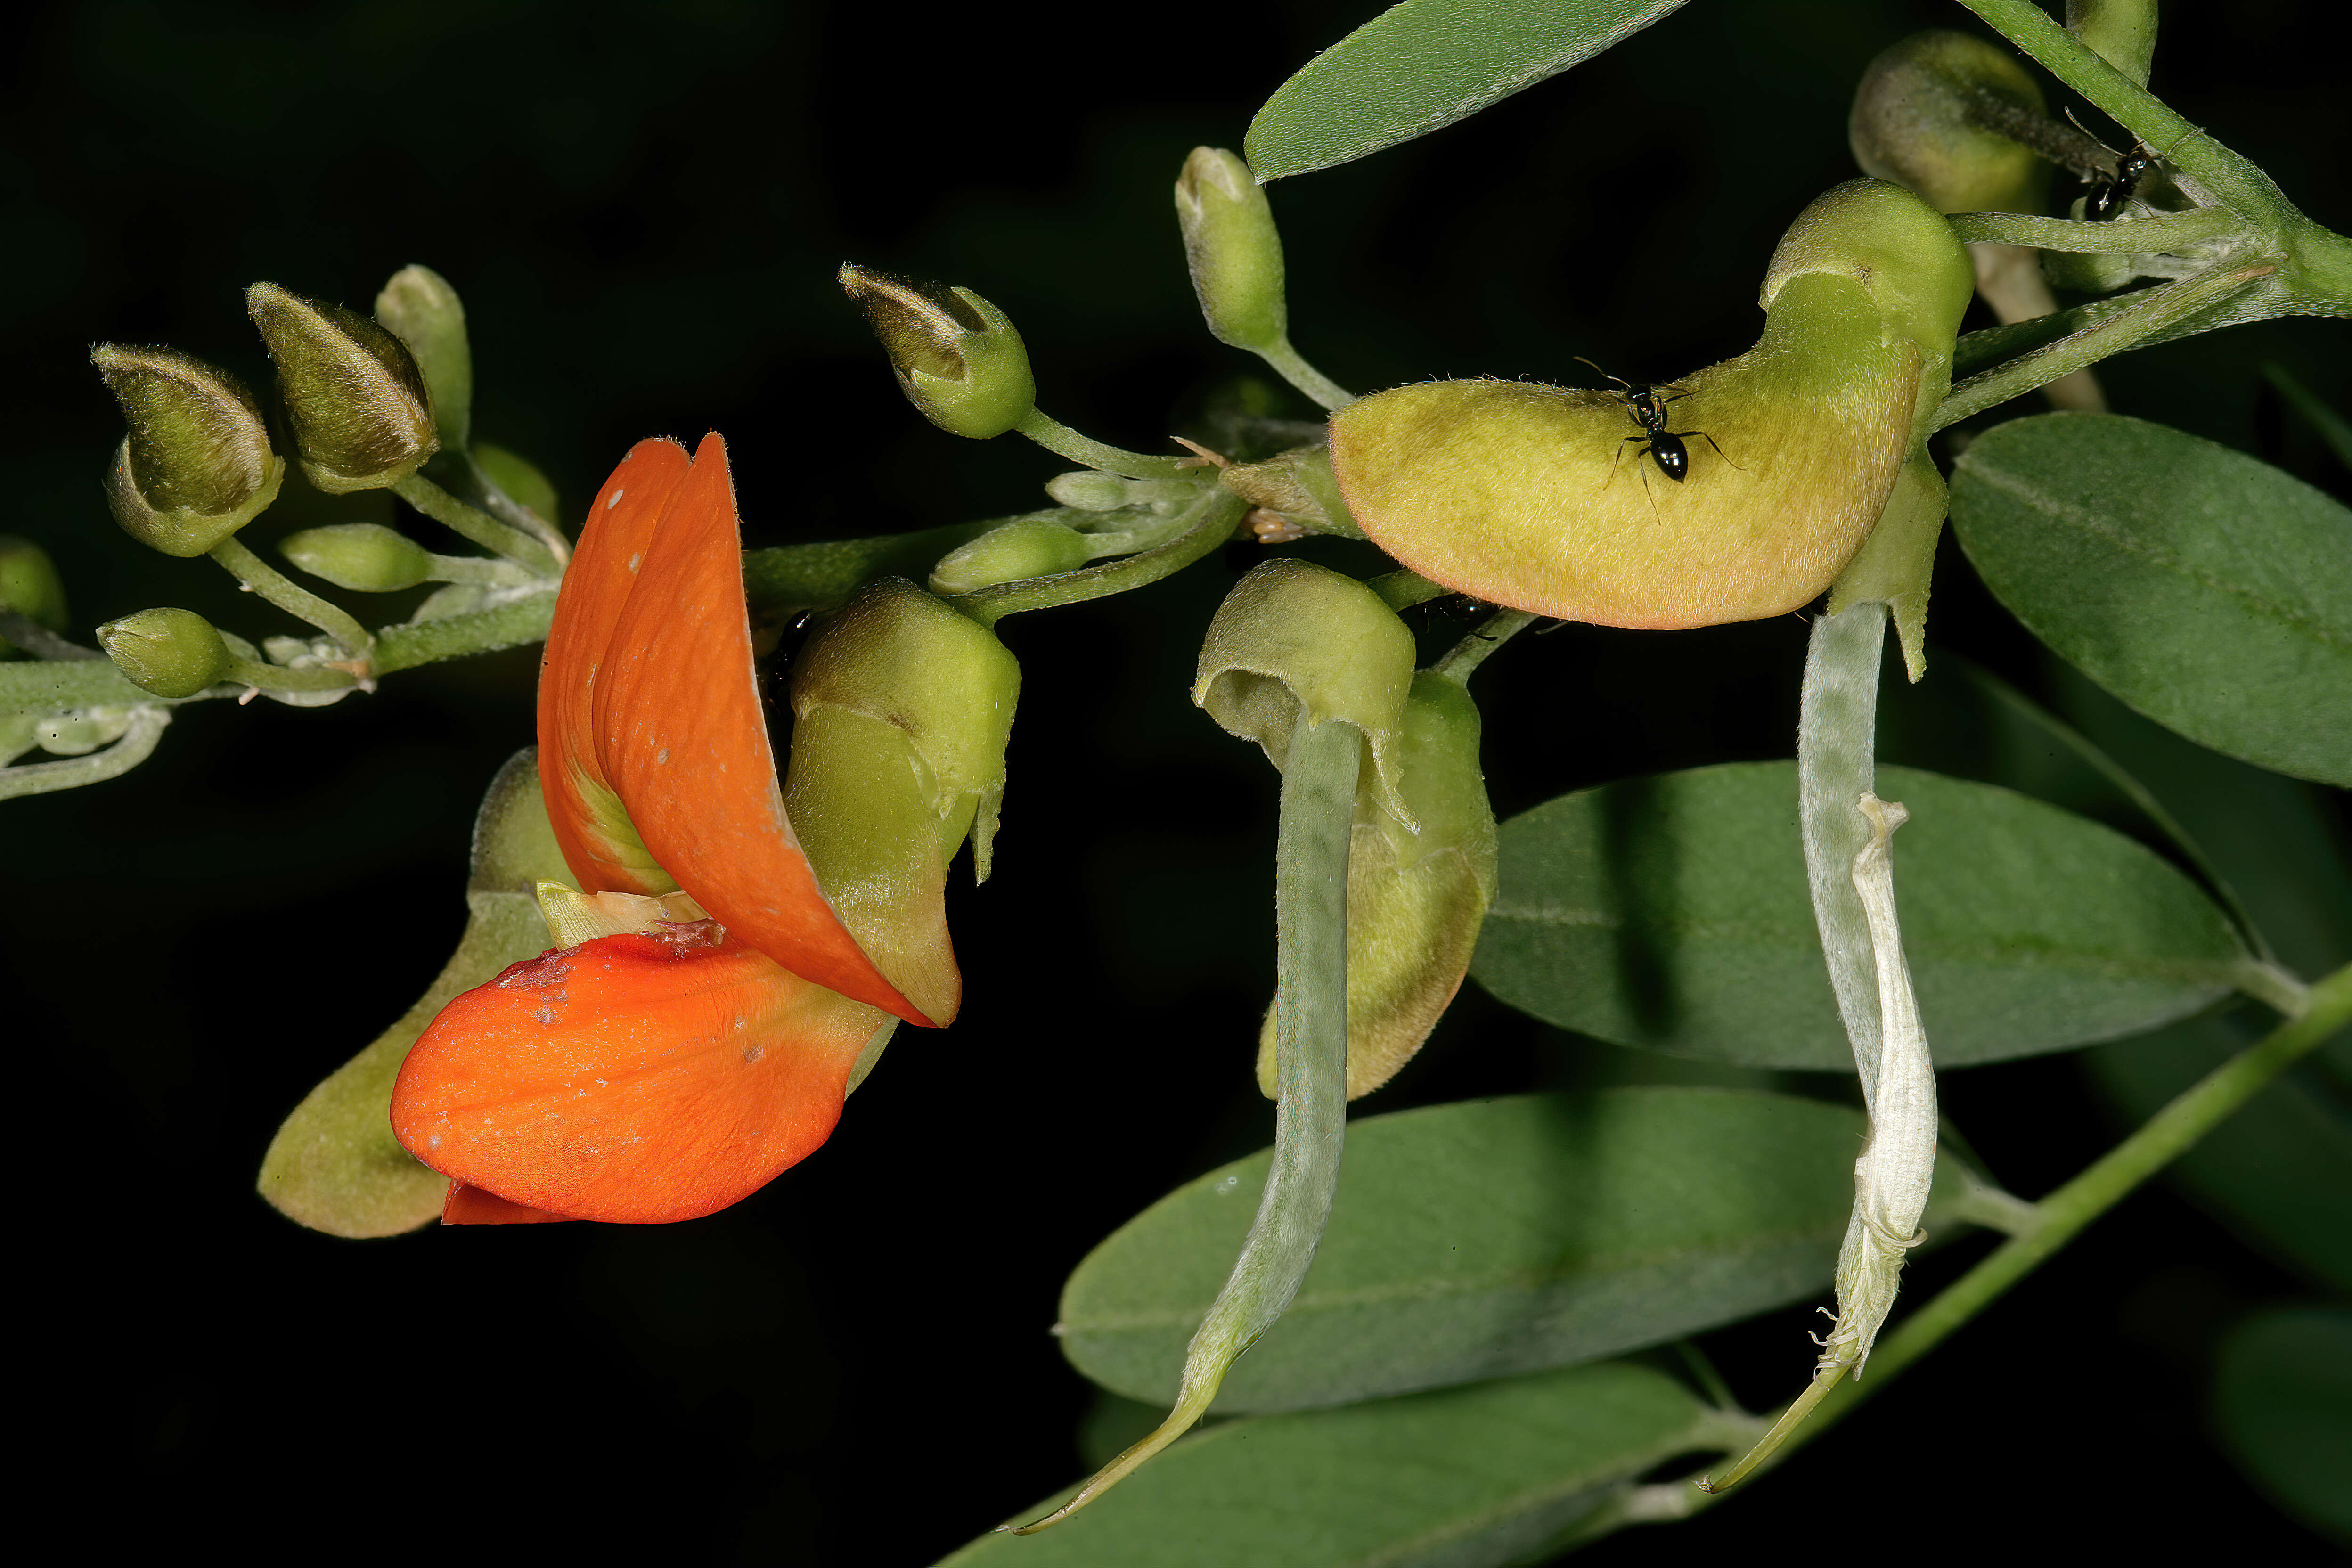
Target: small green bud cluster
[
  {"x": 958, "y": 358},
  {"x": 360, "y": 413},
  {"x": 196, "y": 464}
]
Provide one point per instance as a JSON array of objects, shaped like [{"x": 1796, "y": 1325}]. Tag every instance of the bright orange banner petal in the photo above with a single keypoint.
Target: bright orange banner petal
[
  {"x": 638, "y": 1079},
  {"x": 648, "y": 697}
]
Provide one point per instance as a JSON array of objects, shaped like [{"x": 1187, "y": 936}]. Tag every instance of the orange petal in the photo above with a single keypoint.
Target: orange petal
[
  {"x": 475, "y": 1206},
  {"x": 649, "y": 698},
  {"x": 633, "y": 1079}
]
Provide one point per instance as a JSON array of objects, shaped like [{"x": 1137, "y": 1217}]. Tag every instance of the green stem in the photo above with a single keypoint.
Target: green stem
[
  {"x": 506, "y": 509},
  {"x": 299, "y": 602},
  {"x": 1292, "y": 367},
  {"x": 2127, "y": 236},
  {"x": 1216, "y": 514},
  {"x": 126, "y": 753},
  {"x": 524, "y": 620},
  {"x": 2063, "y": 1215},
  {"x": 263, "y": 677},
  {"x": 1471, "y": 651},
  {"x": 1310, "y": 1118},
  {"x": 2157, "y": 309},
  {"x": 479, "y": 570},
  {"x": 498, "y": 538},
  {"x": 53, "y": 686},
  {"x": 1062, "y": 441}
]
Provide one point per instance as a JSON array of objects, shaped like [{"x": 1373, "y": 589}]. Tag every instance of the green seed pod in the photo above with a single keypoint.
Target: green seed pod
[
  {"x": 171, "y": 653},
  {"x": 1930, "y": 115},
  {"x": 959, "y": 360},
  {"x": 1030, "y": 547},
  {"x": 197, "y": 465},
  {"x": 903, "y": 708},
  {"x": 1233, "y": 252},
  {"x": 2120, "y": 32},
  {"x": 1558, "y": 502},
  {"x": 1415, "y": 899},
  {"x": 29, "y": 585},
  {"x": 366, "y": 557},
  {"x": 362, "y": 416},
  {"x": 424, "y": 312}
]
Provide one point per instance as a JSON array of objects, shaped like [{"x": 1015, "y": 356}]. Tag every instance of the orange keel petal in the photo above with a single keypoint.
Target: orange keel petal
[
  {"x": 640, "y": 1079},
  {"x": 649, "y": 698},
  {"x": 476, "y": 1205}
]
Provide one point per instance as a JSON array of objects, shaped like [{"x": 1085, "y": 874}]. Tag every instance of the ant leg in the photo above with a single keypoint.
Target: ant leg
[
  {"x": 1621, "y": 457},
  {"x": 1710, "y": 441},
  {"x": 1645, "y": 493}
]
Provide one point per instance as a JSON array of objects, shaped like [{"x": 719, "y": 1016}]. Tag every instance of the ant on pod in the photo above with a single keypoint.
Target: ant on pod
[{"x": 1664, "y": 447}]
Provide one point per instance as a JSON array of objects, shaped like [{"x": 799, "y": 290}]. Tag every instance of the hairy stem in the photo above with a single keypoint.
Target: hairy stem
[
  {"x": 1292, "y": 367},
  {"x": 498, "y": 538},
  {"x": 1062, "y": 441},
  {"x": 299, "y": 602},
  {"x": 1213, "y": 519},
  {"x": 2126, "y": 236}
]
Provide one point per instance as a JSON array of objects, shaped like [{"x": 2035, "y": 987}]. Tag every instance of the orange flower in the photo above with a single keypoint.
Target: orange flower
[{"x": 669, "y": 1071}]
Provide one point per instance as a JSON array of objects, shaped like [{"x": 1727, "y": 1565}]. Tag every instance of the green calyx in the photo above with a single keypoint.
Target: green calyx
[
  {"x": 365, "y": 557},
  {"x": 360, "y": 413},
  {"x": 1936, "y": 112},
  {"x": 1233, "y": 250},
  {"x": 171, "y": 653},
  {"x": 1299, "y": 487},
  {"x": 30, "y": 588},
  {"x": 196, "y": 464},
  {"x": 420, "y": 308},
  {"x": 957, "y": 358},
  {"x": 902, "y": 711},
  {"x": 1416, "y": 899}
]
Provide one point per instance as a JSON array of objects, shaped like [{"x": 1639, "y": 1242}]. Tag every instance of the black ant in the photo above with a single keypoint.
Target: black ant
[
  {"x": 1664, "y": 447},
  {"x": 2111, "y": 195}
]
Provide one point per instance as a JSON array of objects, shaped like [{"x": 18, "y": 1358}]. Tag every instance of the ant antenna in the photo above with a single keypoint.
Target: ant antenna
[{"x": 1605, "y": 375}]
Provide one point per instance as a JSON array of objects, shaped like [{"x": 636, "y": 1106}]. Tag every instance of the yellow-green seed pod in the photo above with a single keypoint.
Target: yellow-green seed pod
[
  {"x": 2120, "y": 32},
  {"x": 365, "y": 557},
  {"x": 1559, "y": 502},
  {"x": 361, "y": 416},
  {"x": 1027, "y": 547},
  {"x": 903, "y": 709},
  {"x": 1233, "y": 250},
  {"x": 957, "y": 358},
  {"x": 30, "y": 586},
  {"x": 196, "y": 464},
  {"x": 1415, "y": 899},
  {"x": 171, "y": 653},
  {"x": 423, "y": 311},
  {"x": 1929, "y": 115}
]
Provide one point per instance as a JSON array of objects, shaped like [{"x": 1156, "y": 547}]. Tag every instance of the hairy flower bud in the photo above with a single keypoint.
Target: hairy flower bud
[
  {"x": 365, "y": 557},
  {"x": 1563, "y": 503},
  {"x": 171, "y": 653},
  {"x": 1026, "y": 547},
  {"x": 2120, "y": 32},
  {"x": 30, "y": 586},
  {"x": 1233, "y": 250},
  {"x": 420, "y": 309},
  {"x": 957, "y": 358},
  {"x": 196, "y": 466},
  {"x": 1930, "y": 115},
  {"x": 362, "y": 416}
]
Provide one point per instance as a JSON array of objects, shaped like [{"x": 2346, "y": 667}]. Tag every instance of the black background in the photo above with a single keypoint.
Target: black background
[{"x": 643, "y": 207}]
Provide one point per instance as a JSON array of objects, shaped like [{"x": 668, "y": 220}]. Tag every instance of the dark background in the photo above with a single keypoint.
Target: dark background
[{"x": 643, "y": 207}]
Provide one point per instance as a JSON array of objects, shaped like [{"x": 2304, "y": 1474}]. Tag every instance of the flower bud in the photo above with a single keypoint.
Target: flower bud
[
  {"x": 362, "y": 416},
  {"x": 1929, "y": 115},
  {"x": 957, "y": 357},
  {"x": 1561, "y": 503},
  {"x": 1028, "y": 547},
  {"x": 2120, "y": 32},
  {"x": 1415, "y": 899},
  {"x": 171, "y": 653},
  {"x": 196, "y": 466},
  {"x": 1233, "y": 252},
  {"x": 903, "y": 708},
  {"x": 30, "y": 586},
  {"x": 365, "y": 557},
  {"x": 1299, "y": 486},
  {"x": 424, "y": 312}
]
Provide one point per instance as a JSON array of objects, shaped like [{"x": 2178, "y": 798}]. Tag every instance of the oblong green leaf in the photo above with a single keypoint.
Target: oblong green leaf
[
  {"x": 2205, "y": 588},
  {"x": 1497, "y": 1473},
  {"x": 1425, "y": 64},
  {"x": 2283, "y": 1400},
  {"x": 1475, "y": 1240},
  {"x": 1671, "y": 912}
]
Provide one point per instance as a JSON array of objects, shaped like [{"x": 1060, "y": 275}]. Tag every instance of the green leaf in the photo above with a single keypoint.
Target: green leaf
[
  {"x": 1671, "y": 912},
  {"x": 1475, "y": 1240},
  {"x": 2278, "y": 1172},
  {"x": 2283, "y": 1400},
  {"x": 1425, "y": 64},
  {"x": 2208, "y": 590},
  {"x": 1503, "y": 1472}
]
